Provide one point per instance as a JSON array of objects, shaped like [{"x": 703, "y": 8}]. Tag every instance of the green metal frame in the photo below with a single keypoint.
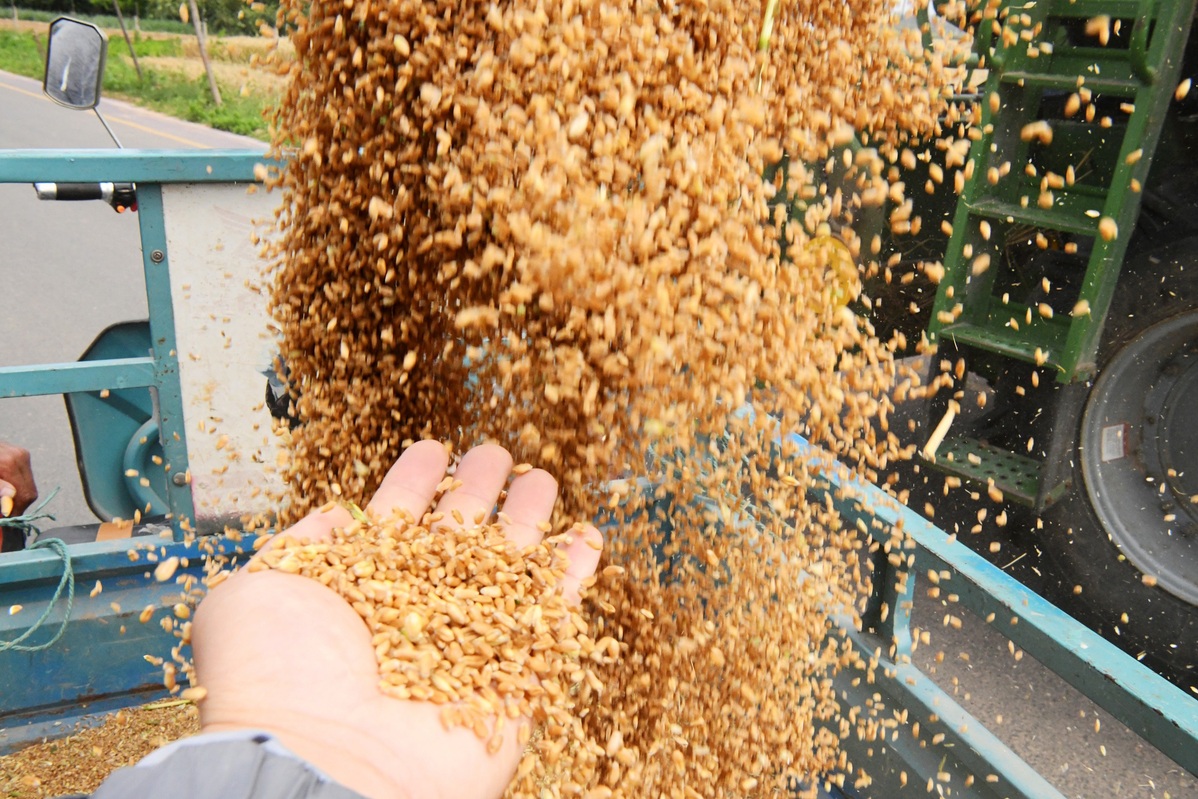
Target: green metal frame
[
  {"x": 995, "y": 314},
  {"x": 159, "y": 371},
  {"x": 1145, "y": 72}
]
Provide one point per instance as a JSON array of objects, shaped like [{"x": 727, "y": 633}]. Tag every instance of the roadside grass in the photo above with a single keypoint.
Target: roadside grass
[
  {"x": 20, "y": 54},
  {"x": 146, "y": 48},
  {"x": 164, "y": 90}
]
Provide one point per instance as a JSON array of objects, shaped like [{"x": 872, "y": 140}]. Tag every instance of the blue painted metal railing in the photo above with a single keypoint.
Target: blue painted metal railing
[{"x": 100, "y": 663}]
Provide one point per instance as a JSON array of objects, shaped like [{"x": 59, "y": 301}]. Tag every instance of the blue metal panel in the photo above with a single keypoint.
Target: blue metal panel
[
  {"x": 978, "y": 764},
  {"x": 137, "y": 166},
  {"x": 67, "y": 378},
  {"x": 116, "y": 432},
  {"x": 32, "y": 567},
  {"x": 100, "y": 658}
]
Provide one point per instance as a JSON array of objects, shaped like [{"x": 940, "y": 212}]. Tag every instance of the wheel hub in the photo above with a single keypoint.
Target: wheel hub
[{"x": 1139, "y": 453}]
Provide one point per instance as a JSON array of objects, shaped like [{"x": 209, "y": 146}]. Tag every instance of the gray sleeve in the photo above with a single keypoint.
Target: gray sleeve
[{"x": 244, "y": 765}]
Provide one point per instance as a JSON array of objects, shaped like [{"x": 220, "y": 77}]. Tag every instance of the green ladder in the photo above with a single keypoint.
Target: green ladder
[{"x": 1073, "y": 106}]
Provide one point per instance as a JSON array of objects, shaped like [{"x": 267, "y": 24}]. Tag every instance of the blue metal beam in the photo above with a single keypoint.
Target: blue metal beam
[
  {"x": 171, "y": 433},
  {"x": 136, "y": 166},
  {"x": 975, "y": 762},
  {"x": 68, "y": 378}
]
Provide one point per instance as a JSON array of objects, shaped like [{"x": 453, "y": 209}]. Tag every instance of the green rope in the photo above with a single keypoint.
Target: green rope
[{"x": 67, "y": 581}]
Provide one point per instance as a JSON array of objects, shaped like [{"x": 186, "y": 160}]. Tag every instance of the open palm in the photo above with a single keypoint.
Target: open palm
[{"x": 283, "y": 654}]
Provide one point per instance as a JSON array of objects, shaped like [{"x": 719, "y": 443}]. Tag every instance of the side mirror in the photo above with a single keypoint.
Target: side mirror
[{"x": 75, "y": 59}]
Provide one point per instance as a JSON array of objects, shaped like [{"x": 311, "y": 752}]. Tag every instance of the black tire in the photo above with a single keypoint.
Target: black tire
[{"x": 1126, "y": 534}]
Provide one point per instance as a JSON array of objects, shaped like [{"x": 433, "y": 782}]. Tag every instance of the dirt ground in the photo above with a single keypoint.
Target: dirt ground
[{"x": 247, "y": 78}]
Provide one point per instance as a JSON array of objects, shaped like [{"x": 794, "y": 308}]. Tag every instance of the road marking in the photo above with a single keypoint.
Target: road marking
[
  {"x": 171, "y": 136},
  {"x": 117, "y": 119},
  {"x": 22, "y": 91}
]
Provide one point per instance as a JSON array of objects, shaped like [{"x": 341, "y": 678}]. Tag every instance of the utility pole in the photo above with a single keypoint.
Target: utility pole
[{"x": 116, "y": 4}]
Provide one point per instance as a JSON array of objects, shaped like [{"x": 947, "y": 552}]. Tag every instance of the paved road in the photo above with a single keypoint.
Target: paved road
[{"x": 69, "y": 270}]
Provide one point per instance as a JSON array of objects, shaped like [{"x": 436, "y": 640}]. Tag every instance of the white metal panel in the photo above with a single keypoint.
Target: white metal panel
[{"x": 226, "y": 345}]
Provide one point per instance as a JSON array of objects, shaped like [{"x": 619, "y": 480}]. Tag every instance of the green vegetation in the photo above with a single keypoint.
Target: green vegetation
[
  {"x": 108, "y": 20},
  {"x": 164, "y": 90},
  {"x": 169, "y": 47},
  {"x": 19, "y": 53}
]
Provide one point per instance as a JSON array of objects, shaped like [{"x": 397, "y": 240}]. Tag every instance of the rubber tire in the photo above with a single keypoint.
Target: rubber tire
[{"x": 1162, "y": 629}]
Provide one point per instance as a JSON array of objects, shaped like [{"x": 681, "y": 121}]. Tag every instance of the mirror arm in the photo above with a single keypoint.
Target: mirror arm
[{"x": 107, "y": 128}]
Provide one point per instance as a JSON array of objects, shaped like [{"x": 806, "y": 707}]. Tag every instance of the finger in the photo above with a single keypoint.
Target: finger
[
  {"x": 529, "y": 503},
  {"x": 583, "y": 551},
  {"x": 411, "y": 483},
  {"x": 7, "y": 492},
  {"x": 479, "y": 478}
]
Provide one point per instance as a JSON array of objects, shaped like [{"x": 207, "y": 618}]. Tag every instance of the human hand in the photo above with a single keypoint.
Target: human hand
[
  {"x": 16, "y": 480},
  {"x": 281, "y": 653}
]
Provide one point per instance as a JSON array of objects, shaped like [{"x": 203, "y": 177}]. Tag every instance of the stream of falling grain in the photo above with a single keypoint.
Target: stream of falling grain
[{"x": 546, "y": 226}]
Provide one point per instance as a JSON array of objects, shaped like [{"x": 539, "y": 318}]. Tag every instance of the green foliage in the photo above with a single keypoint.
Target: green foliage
[
  {"x": 236, "y": 115},
  {"x": 104, "y": 20},
  {"x": 19, "y": 54},
  {"x": 179, "y": 96},
  {"x": 224, "y": 17},
  {"x": 237, "y": 16}
]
